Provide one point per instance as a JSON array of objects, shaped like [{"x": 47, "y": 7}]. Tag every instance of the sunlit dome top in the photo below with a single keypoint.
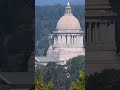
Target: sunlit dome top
[{"x": 68, "y": 21}]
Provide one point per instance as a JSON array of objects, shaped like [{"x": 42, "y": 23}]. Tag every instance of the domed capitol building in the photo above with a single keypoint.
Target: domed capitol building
[{"x": 67, "y": 40}]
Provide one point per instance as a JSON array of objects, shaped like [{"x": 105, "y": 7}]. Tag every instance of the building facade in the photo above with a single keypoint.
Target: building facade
[
  {"x": 100, "y": 37},
  {"x": 68, "y": 38}
]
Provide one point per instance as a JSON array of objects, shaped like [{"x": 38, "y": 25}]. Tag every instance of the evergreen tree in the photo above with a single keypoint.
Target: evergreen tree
[
  {"x": 80, "y": 83},
  {"x": 108, "y": 79},
  {"x": 39, "y": 84},
  {"x": 61, "y": 77}
]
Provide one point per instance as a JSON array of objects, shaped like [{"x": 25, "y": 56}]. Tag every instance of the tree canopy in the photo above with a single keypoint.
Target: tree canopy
[
  {"x": 108, "y": 79},
  {"x": 80, "y": 83},
  {"x": 62, "y": 75},
  {"x": 39, "y": 84}
]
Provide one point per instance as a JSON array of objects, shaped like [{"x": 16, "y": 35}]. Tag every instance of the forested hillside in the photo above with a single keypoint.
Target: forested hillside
[{"x": 46, "y": 18}]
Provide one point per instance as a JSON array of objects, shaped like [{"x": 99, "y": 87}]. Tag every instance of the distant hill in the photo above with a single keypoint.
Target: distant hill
[{"x": 63, "y": 2}]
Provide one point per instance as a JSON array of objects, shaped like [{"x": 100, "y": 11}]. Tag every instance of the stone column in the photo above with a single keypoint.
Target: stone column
[
  {"x": 75, "y": 39},
  {"x": 106, "y": 32},
  {"x": 112, "y": 32},
  {"x": 71, "y": 39},
  {"x": 63, "y": 39},
  {"x": 98, "y": 33},
  {"x": 68, "y": 39},
  {"x": 112, "y": 35},
  {"x": 95, "y": 33},
  {"x": 59, "y": 40},
  {"x": 78, "y": 39},
  {"x": 103, "y": 36},
  {"x": 89, "y": 33},
  {"x": 81, "y": 41}
]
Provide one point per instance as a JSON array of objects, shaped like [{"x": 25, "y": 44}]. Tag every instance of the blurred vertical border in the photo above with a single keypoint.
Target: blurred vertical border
[{"x": 17, "y": 44}]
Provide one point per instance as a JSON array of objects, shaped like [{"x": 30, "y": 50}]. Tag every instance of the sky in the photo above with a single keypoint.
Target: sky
[{"x": 63, "y": 2}]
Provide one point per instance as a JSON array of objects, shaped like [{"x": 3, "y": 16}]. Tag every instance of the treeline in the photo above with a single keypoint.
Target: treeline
[
  {"x": 46, "y": 18},
  {"x": 62, "y": 76}
]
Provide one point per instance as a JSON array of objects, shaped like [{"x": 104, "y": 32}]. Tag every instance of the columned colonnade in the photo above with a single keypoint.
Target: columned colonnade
[
  {"x": 67, "y": 39},
  {"x": 99, "y": 32}
]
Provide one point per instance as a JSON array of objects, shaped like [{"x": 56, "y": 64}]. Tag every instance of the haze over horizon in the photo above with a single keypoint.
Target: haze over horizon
[{"x": 62, "y": 2}]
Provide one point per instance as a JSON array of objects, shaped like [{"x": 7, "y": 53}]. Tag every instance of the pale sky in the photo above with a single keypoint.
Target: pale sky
[{"x": 52, "y": 2}]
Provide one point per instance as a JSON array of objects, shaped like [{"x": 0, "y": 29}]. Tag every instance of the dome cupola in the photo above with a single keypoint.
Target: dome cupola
[{"x": 68, "y": 21}]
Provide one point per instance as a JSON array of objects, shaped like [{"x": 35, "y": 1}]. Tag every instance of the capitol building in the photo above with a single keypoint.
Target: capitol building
[{"x": 67, "y": 40}]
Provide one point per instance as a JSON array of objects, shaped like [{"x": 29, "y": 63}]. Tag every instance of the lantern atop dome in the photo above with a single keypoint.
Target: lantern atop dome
[{"x": 68, "y": 9}]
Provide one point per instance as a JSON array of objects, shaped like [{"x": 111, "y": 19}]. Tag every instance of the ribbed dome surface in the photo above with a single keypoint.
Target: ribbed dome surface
[{"x": 68, "y": 22}]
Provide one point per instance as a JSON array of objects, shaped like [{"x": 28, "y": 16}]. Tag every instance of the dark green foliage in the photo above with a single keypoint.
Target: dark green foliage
[
  {"x": 106, "y": 80},
  {"x": 60, "y": 76},
  {"x": 80, "y": 83},
  {"x": 46, "y": 18},
  {"x": 39, "y": 84},
  {"x": 74, "y": 66}
]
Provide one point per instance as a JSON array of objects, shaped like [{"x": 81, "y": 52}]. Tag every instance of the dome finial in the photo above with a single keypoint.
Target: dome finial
[
  {"x": 68, "y": 9},
  {"x": 68, "y": 4}
]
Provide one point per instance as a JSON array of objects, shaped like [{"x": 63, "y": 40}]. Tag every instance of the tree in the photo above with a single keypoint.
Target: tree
[
  {"x": 57, "y": 74},
  {"x": 39, "y": 84},
  {"x": 62, "y": 75},
  {"x": 108, "y": 79},
  {"x": 75, "y": 65},
  {"x": 80, "y": 83}
]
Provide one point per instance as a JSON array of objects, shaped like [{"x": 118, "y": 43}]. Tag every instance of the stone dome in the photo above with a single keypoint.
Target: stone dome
[{"x": 68, "y": 22}]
